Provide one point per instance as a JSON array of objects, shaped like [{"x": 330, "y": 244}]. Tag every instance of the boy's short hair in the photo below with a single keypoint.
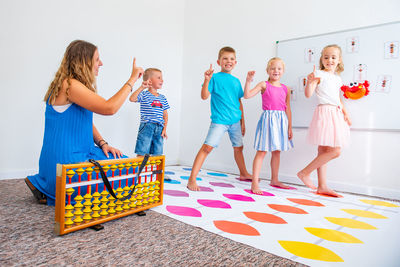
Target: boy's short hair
[
  {"x": 226, "y": 49},
  {"x": 148, "y": 72}
]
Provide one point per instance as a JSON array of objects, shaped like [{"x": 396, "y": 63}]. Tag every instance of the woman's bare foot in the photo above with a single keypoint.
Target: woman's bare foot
[
  {"x": 256, "y": 189},
  {"x": 329, "y": 192},
  {"x": 280, "y": 185},
  {"x": 192, "y": 185},
  {"x": 306, "y": 180}
]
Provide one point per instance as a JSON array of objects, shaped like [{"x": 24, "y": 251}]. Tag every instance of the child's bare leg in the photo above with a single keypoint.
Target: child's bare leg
[
  {"x": 325, "y": 154},
  {"x": 239, "y": 158},
  {"x": 257, "y": 163},
  {"x": 322, "y": 185},
  {"x": 275, "y": 162},
  {"x": 198, "y": 162}
]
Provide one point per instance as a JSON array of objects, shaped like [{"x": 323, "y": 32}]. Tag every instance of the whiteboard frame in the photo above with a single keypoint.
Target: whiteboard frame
[{"x": 335, "y": 32}]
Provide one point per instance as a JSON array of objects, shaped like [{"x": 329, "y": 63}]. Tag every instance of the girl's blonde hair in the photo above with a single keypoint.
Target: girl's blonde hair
[
  {"x": 275, "y": 59},
  {"x": 340, "y": 66},
  {"x": 76, "y": 64}
]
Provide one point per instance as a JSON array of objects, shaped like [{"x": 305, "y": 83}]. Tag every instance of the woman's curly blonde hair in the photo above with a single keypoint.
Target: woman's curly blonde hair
[{"x": 77, "y": 64}]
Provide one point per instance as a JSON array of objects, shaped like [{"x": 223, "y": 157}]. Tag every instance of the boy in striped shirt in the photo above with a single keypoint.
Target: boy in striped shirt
[{"x": 153, "y": 114}]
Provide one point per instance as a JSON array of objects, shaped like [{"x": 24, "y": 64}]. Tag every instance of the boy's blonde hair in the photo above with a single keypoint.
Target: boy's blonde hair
[
  {"x": 275, "y": 59},
  {"x": 340, "y": 66},
  {"x": 77, "y": 64},
  {"x": 148, "y": 72},
  {"x": 226, "y": 49}
]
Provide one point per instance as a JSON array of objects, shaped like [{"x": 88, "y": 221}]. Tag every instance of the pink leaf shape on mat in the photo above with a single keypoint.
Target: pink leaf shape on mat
[
  {"x": 221, "y": 184},
  {"x": 176, "y": 193},
  {"x": 239, "y": 197},
  {"x": 183, "y": 211},
  {"x": 214, "y": 203},
  {"x": 264, "y": 193}
]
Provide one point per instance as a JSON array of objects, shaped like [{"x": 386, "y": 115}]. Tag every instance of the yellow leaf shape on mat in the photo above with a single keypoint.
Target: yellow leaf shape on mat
[
  {"x": 333, "y": 235},
  {"x": 351, "y": 223},
  {"x": 364, "y": 213},
  {"x": 379, "y": 203},
  {"x": 310, "y": 251},
  {"x": 236, "y": 228}
]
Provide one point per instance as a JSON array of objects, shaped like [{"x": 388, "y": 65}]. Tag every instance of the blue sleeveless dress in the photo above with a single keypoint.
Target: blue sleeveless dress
[{"x": 68, "y": 138}]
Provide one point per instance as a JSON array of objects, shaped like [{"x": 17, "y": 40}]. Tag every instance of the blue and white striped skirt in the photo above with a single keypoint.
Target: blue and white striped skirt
[{"x": 272, "y": 132}]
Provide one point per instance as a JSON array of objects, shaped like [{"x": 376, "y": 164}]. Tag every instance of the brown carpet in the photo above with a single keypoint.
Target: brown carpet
[{"x": 27, "y": 239}]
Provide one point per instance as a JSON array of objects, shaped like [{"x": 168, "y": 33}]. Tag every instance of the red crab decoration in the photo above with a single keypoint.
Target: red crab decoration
[{"x": 355, "y": 90}]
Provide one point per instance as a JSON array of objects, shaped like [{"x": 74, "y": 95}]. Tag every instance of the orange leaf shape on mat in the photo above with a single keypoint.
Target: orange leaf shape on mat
[
  {"x": 287, "y": 209},
  {"x": 236, "y": 228},
  {"x": 264, "y": 217},
  {"x": 310, "y": 251},
  {"x": 306, "y": 202}
]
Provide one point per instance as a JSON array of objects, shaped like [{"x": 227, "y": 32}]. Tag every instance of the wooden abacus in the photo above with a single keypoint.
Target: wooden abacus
[{"x": 82, "y": 199}]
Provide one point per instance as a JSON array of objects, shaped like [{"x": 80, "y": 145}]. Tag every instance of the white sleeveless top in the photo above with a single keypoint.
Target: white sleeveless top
[
  {"x": 61, "y": 108},
  {"x": 328, "y": 89}
]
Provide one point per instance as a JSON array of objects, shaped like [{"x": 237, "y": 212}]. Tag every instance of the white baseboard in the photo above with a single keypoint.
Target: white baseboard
[
  {"x": 342, "y": 187},
  {"x": 16, "y": 174}
]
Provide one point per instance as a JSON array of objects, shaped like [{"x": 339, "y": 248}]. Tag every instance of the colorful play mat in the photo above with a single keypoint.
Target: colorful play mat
[{"x": 294, "y": 223}]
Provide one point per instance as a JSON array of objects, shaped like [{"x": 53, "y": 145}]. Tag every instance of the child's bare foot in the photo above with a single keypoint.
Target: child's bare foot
[
  {"x": 329, "y": 192},
  {"x": 192, "y": 185},
  {"x": 280, "y": 185},
  {"x": 245, "y": 177},
  {"x": 306, "y": 180},
  {"x": 256, "y": 189}
]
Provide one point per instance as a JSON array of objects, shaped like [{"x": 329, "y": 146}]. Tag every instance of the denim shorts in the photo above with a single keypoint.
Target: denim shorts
[
  {"x": 149, "y": 139},
  {"x": 216, "y": 132}
]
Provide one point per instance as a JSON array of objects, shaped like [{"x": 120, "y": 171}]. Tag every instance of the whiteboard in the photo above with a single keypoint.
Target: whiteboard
[{"x": 370, "y": 53}]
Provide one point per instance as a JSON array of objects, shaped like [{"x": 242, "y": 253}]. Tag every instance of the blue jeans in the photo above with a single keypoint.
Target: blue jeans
[
  {"x": 216, "y": 132},
  {"x": 149, "y": 139}
]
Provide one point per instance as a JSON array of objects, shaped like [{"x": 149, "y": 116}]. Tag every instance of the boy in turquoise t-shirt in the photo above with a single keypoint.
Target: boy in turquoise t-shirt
[{"x": 226, "y": 114}]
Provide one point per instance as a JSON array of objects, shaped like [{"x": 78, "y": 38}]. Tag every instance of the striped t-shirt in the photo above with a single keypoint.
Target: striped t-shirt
[{"x": 152, "y": 107}]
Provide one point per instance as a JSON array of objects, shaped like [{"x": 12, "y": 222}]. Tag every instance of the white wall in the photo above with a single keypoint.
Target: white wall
[
  {"x": 252, "y": 27},
  {"x": 34, "y": 35},
  {"x": 182, "y": 38}
]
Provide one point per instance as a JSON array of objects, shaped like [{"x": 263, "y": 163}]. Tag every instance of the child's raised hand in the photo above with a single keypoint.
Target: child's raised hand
[
  {"x": 208, "y": 74},
  {"x": 312, "y": 78},
  {"x": 146, "y": 84},
  {"x": 250, "y": 76}
]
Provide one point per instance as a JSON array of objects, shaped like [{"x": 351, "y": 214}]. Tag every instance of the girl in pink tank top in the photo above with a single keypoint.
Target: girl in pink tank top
[{"x": 274, "y": 129}]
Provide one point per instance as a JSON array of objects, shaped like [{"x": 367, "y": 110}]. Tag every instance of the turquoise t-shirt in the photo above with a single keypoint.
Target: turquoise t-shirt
[{"x": 225, "y": 90}]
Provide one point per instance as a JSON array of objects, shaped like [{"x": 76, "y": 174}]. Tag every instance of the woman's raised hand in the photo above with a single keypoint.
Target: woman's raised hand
[{"x": 137, "y": 72}]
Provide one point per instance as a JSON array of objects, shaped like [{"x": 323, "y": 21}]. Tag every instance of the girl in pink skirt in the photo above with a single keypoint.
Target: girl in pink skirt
[{"x": 329, "y": 128}]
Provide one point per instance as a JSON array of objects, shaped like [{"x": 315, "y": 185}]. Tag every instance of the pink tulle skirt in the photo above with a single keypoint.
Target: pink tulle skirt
[{"x": 328, "y": 127}]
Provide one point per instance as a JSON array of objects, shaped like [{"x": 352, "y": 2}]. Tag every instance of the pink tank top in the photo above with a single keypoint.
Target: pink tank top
[{"x": 274, "y": 98}]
